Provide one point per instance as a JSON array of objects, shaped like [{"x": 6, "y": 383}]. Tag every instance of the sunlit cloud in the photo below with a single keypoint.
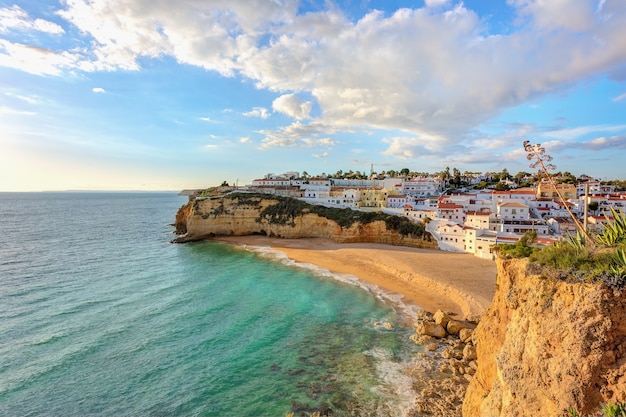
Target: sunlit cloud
[
  {"x": 318, "y": 142},
  {"x": 16, "y": 18},
  {"x": 257, "y": 112},
  {"x": 8, "y": 110},
  {"x": 426, "y": 79},
  {"x": 414, "y": 55},
  {"x": 21, "y": 97},
  {"x": 577, "y": 132},
  {"x": 36, "y": 60},
  {"x": 619, "y": 98},
  {"x": 293, "y": 106},
  {"x": 297, "y": 134}
]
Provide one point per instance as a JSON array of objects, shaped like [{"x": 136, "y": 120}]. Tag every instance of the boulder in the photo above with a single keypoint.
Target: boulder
[
  {"x": 431, "y": 329},
  {"x": 422, "y": 339},
  {"x": 469, "y": 353},
  {"x": 441, "y": 318},
  {"x": 454, "y": 327},
  {"x": 465, "y": 335}
]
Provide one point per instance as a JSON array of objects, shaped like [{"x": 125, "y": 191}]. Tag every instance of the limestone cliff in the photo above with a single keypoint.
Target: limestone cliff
[
  {"x": 546, "y": 345},
  {"x": 243, "y": 214}
]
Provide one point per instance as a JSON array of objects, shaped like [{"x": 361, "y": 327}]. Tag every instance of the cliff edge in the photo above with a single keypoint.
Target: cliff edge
[
  {"x": 241, "y": 214},
  {"x": 546, "y": 345}
]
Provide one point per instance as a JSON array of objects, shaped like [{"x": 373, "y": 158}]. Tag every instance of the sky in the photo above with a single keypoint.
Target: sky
[{"x": 168, "y": 95}]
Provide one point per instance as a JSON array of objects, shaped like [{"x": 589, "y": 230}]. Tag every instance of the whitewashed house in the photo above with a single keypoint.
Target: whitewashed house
[
  {"x": 450, "y": 236},
  {"x": 422, "y": 186},
  {"x": 398, "y": 201},
  {"x": 451, "y": 211}
]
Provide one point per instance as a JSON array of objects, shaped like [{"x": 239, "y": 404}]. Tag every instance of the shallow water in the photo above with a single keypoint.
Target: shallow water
[{"x": 101, "y": 315}]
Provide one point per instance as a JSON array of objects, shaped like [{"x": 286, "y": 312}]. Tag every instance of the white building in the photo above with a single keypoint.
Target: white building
[
  {"x": 422, "y": 187},
  {"x": 595, "y": 188},
  {"x": 478, "y": 219},
  {"x": 398, "y": 201},
  {"x": 513, "y": 211},
  {"x": 450, "y": 236},
  {"x": 479, "y": 242},
  {"x": 451, "y": 211},
  {"x": 419, "y": 215}
]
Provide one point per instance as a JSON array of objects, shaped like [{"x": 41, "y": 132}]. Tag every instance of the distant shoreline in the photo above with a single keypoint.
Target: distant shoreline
[{"x": 458, "y": 283}]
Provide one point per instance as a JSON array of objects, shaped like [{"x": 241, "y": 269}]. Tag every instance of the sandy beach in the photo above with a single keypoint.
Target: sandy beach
[{"x": 458, "y": 283}]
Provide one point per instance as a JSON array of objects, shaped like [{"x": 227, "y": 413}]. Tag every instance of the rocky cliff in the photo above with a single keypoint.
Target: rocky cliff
[
  {"x": 547, "y": 345},
  {"x": 245, "y": 214}
]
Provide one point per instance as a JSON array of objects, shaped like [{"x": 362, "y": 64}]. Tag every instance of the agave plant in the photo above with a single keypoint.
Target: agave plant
[
  {"x": 578, "y": 241},
  {"x": 614, "y": 231},
  {"x": 614, "y": 410},
  {"x": 621, "y": 257}
]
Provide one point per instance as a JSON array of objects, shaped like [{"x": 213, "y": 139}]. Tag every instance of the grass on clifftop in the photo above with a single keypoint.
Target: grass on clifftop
[
  {"x": 601, "y": 257},
  {"x": 287, "y": 209},
  {"x": 607, "y": 410}
]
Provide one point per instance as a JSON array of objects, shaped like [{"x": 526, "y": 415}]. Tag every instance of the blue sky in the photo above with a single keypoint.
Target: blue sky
[{"x": 154, "y": 95}]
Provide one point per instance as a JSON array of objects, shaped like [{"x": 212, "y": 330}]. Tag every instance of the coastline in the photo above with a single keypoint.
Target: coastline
[{"x": 428, "y": 278}]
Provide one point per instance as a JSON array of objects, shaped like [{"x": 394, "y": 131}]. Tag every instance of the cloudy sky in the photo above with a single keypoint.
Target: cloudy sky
[{"x": 163, "y": 94}]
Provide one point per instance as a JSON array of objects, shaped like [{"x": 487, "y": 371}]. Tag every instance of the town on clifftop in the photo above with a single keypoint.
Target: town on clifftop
[{"x": 464, "y": 212}]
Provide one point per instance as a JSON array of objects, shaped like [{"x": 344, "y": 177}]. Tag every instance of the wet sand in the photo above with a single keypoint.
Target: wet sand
[{"x": 432, "y": 279}]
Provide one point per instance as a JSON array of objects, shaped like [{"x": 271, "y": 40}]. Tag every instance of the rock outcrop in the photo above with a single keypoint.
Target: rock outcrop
[
  {"x": 240, "y": 215},
  {"x": 442, "y": 372},
  {"x": 546, "y": 345}
]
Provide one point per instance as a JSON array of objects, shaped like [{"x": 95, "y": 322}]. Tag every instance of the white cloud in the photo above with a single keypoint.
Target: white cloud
[
  {"x": 244, "y": 140},
  {"x": 410, "y": 147},
  {"x": 293, "y": 106},
  {"x": 320, "y": 155},
  {"x": 16, "y": 18},
  {"x": 619, "y": 98},
  {"x": 311, "y": 143},
  {"x": 98, "y": 90},
  {"x": 257, "y": 112},
  {"x": 206, "y": 119},
  {"x": 27, "y": 99},
  {"x": 575, "y": 15},
  {"x": 298, "y": 134},
  {"x": 8, "y": 110},
  {"x": 435, "y": 3},
  {"x": 577, "y": 132},
  {"x": 433, "y": 72},
  {"x": 35, "y": 60}
]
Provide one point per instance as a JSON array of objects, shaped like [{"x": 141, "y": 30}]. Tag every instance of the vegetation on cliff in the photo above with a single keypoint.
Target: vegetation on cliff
[
  {"x": 595, "y": 257},
  {"x": 610, "y": 409},
  {"x": 287, "y": 209}
]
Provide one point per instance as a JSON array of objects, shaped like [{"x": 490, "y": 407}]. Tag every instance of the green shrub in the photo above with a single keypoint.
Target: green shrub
[
  {"x": 287, "y": 209},
  {"x": 606, "y": 410},
  {"x": 614, "y": 410},
  {"x": 521, "y": 249}
]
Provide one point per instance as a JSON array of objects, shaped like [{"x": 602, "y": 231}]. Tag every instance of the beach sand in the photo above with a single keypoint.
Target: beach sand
[{"x": 432, "y": 279}]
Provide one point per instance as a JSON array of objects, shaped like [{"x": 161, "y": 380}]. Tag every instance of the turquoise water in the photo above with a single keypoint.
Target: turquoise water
[{"x": 101, "y": 315}]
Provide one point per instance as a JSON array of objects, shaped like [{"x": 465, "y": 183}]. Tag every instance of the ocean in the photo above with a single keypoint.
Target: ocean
[{"x": 100, "y": 315}]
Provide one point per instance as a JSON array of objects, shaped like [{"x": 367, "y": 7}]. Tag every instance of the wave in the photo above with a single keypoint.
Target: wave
[{"x": 407, "y": 310}]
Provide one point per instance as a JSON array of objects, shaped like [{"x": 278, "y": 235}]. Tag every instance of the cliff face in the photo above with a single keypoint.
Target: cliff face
[
  {"x": 204, "y": 218},
  {"x": 545, "y": 345}
]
